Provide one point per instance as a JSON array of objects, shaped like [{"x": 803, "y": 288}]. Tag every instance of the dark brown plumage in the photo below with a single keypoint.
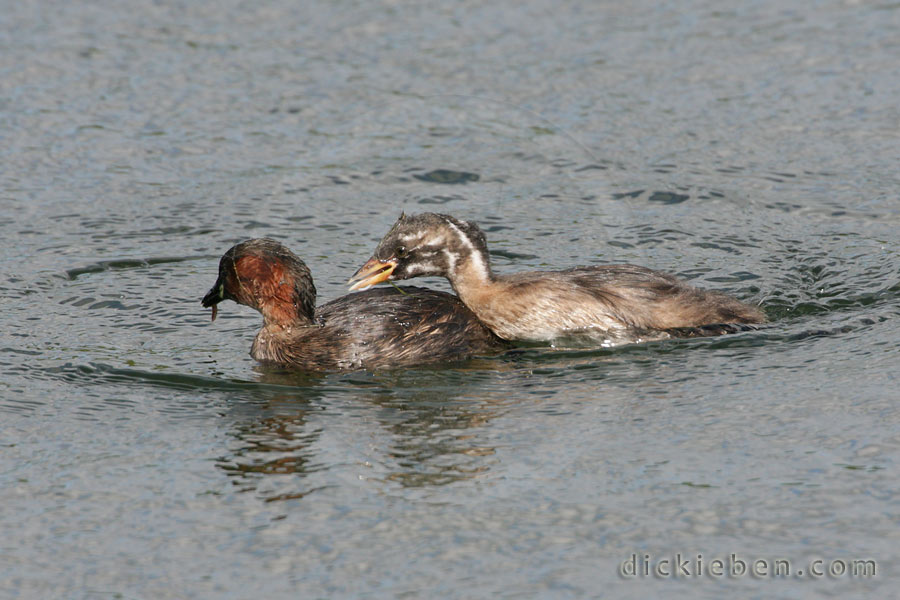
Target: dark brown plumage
[
  {"x": 613, "y": 303},
  {"x": 382, "y": 328}
]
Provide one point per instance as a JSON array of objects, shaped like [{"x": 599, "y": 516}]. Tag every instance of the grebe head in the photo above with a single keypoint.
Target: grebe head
[
  {"x": 425, "y": 244},
  {"x": 263, "y": 274}
]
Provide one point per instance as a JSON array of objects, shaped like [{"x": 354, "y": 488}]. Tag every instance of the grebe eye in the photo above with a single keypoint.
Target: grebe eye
[{"x": 401, "y": 252}]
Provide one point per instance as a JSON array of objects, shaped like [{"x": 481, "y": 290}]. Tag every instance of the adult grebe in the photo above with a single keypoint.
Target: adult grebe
[{"x": 381, "y": 328}]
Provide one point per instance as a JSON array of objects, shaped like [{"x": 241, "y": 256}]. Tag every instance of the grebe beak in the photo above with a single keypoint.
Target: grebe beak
[
  {"x": 374, "y": 271},
  {"x": 215, "y": 295}
]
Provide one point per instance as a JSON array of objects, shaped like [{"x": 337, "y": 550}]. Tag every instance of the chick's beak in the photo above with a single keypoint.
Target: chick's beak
[
  {"x": 215, "y": 295},
  {"x": 374, "y": 271}
]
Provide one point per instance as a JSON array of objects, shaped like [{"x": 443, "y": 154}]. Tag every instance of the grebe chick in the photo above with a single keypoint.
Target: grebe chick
[
  {"x": 612, "y": 302},
  {"x": 381, "y": 328}
]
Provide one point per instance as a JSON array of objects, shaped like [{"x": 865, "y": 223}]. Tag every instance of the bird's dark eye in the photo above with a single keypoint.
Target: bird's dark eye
[{"x": 401, "y": 252}]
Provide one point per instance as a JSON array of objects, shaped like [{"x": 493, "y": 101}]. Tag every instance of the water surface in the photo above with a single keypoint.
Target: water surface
[{"x": 750, "y": 148}]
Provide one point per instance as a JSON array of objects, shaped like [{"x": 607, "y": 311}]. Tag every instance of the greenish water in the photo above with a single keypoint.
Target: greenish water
[{"x": 750, "y": 148}]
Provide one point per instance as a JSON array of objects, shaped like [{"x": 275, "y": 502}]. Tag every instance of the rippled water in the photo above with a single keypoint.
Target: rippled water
[{"x": 750, "y": 148}]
